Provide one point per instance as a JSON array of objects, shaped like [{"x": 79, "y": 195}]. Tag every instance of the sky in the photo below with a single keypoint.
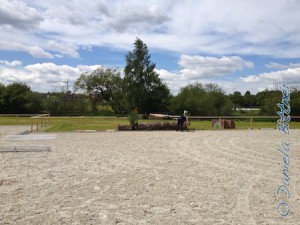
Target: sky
[{"x": 240, "y": 45}]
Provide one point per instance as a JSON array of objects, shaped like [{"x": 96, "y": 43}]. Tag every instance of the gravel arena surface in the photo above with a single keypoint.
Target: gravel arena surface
[{"x": 165, "y": 177}]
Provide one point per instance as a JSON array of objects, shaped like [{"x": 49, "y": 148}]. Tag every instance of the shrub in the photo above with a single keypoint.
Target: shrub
[{"x": 133, "y": 118}]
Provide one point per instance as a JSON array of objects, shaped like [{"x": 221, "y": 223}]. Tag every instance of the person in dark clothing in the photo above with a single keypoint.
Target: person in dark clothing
[{"x": 180, "y": 122}]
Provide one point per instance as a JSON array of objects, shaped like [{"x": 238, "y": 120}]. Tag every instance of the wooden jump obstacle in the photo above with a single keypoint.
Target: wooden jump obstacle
[{"x": 42, "y": 120}]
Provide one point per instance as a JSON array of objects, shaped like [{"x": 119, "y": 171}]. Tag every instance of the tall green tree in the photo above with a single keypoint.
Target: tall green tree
[
  {"x": 66, "y": 104},
  {"x": 2, "y": 88},
  {"x": 295, "y": 101},
  {"x": 295, "y": 107},
  {"x": 249, "y": 100},
  {"x": 18, "y": 98},
  {"x": 237, "y": 99},
  {"x": 295, "y": 92},
  {"x": 103, "y": 85},
  {"x": 217, "y": 101},
  {"x": 143, "y": 88},
  {"x": 192, "y": 98},
  {"x": 199, "y": 99},
  {"x": 102, "y": 81},
  {"x": 267, "y": 101},
  {"x": 34, "y": 103}
]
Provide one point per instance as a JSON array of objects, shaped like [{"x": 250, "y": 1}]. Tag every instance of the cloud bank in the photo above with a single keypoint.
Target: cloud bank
[
  {"x": 229, "y": 27},
  {"x": 212, "y": 39}
]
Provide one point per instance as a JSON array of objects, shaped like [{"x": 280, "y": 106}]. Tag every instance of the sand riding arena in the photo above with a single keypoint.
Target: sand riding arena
[{"x": 164, "y": 177}]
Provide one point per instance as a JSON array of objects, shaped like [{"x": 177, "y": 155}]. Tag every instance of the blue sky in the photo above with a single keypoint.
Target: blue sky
[{"x": 240, "y": 45}]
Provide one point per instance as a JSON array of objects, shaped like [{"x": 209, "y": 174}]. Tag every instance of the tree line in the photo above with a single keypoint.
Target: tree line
[{"x": 106, "y": 91}]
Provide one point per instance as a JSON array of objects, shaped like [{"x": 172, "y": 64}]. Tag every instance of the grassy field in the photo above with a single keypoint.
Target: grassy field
[
  {"x": 14, "y": 120},
  {"x": 61, "y": 124}
]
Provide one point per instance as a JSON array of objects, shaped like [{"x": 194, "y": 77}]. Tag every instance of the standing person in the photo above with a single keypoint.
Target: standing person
[
  {"x": 180, "y": 122},
  {"x": 183, "y": 119}
]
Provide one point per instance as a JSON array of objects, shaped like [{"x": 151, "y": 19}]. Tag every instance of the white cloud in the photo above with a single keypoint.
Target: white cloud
[
  {"x": 11, "y": 64},
  {"x": 205, "y": 70},
  {"x": 250, "y": 79},
  {"x": 63, "y": 48},
  {"x": 210, "y": 27},
  {"x": 17, "y": 14},
  {"x": 44, "y": 68},
  {"x": 195, "y": 67},
  {"x": 35, "y": 51},
  {"x": 137, "y": 18},
  {"x": 56, "y": 29},
  {"x": 273, "y": 65},
  {"x": 174, "y": 80},
  {"x": 44, "y": 76},
  {"x": 8, "y": 75},
  {"x": 85, "y": 68},
  {"x": 199, "y": 68},
  {"x": 49, "y": 77},
  {"x": 267, "y": 80},
  {"x": 290, "y": 74}
]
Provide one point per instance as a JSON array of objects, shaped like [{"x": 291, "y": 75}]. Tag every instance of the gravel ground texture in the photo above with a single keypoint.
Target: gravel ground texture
[{"x": 167, "y": 177}]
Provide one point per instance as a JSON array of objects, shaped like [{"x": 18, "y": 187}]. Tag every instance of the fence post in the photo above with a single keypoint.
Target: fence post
[
  {"x": 31, "y": 125},
  {"x": 251, "y": 123}
]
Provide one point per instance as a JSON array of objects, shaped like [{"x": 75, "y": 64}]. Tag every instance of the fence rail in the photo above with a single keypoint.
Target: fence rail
[
  {"x": 40, "y": 121},
  {"x": 239, "y": 117},
  {"x": 250, "y": 118},
  {"x": 18, "y": 116}
]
